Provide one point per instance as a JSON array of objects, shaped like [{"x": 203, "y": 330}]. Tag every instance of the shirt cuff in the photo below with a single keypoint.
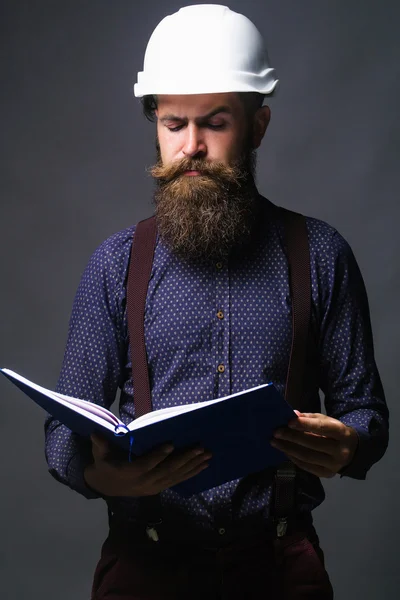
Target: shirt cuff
[
  {"x": 371, "y": 447},
  {"x": 358, "y": 467},
  {"x": 75, "y": 478}
]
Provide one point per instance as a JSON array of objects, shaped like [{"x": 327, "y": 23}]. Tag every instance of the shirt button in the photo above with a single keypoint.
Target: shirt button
[
  {"x": 221, "y": 368},
  {"x": 220, "y": 314},
  {"x": 221, "y": 531},
  {"x": 219, "y": 265}
]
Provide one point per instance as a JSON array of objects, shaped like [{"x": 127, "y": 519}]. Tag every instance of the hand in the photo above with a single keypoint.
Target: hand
[
  {"x": 317, "y": 443},
  {"x": 146, "y": 475}
]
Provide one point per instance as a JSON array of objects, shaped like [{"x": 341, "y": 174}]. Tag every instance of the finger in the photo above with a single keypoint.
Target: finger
[
  {"x": 178, "y": 476},
  {"x": 100, "y": 447},
  {"x": 300, "y": 421},
  {"x": 314, "y": 469},
  {"x": 307, "y": 455},
  {"x": 308, "y": 440},
  {"x": 148, "y": 462},
  {"x": 194, "y": 471},
  {"x": 137, "y": 470},
  {"x": 298, "y": 413},
  {"x": 181, "y": 458},
  {"x": 189, "y": 466},
  {"x": 178, "y": 465},
  {"x": 320, "y": 425}
]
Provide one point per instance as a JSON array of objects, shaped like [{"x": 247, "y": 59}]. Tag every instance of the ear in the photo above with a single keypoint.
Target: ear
[{"x": 261, "y": 121}]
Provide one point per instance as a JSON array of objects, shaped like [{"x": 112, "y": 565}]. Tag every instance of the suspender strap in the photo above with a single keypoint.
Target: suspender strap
[
  {"x": 142, "y": 253},
  {"x": 298, "y": 254},
  {"x": 141, "y": 261}
]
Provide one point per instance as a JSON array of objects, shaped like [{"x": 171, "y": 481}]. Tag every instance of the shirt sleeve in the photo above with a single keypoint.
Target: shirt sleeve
[
  {"x": 91, "y": 367},
  {"x": 349, "y": 377}
]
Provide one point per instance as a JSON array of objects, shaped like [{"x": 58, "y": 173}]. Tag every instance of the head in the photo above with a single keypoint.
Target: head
[
  {"x": 210, "y": 120},
  {"x": 206, "y": 198}
]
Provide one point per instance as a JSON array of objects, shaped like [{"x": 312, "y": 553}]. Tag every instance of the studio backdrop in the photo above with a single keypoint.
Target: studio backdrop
[{"x": 74, "y": 152}]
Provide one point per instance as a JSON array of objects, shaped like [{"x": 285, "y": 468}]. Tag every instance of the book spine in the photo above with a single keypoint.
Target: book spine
[{"x": 121, "y": 430}]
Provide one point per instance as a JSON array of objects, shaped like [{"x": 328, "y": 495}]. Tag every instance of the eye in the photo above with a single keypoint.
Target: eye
[
  {"x": 219, "y": 127},
  {"x": 174, "y": 129}
]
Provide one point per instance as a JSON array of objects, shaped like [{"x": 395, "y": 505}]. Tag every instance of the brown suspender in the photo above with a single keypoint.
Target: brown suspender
[
  {"x": 143, "y": 246},
  {"x": 298, "y": 255},
  {"x": 296, "y": 240}
]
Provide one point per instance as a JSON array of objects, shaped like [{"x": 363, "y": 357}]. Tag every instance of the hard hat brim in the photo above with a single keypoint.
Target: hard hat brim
[{"x": 264, "y": 84}]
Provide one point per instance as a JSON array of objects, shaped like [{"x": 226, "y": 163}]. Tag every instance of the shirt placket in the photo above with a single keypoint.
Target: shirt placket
[{"x": 222, "y": 321}]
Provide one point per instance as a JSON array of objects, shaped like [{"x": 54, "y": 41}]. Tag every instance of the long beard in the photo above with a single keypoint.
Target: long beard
[{"x": 208, "y": 215}]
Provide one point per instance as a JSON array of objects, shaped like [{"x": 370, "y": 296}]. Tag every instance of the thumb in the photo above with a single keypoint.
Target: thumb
[{"x": 100, "y": 447}]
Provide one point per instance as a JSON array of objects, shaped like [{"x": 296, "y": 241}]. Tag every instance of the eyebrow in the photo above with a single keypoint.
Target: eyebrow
[{"x": 202, "y": 119}]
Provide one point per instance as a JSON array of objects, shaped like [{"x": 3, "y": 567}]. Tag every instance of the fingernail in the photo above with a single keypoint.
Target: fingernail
[
  {"x": 168, "y": 449},
  {"x": 199, "y": 450},
  {"x": 278, "y": 434}
]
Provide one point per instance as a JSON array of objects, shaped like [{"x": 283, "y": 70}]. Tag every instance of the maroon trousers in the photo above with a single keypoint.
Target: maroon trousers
[{"x": 291, "y": 568}]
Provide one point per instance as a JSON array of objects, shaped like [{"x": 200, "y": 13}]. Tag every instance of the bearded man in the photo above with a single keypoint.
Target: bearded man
[{"x": 217, "y": 321}]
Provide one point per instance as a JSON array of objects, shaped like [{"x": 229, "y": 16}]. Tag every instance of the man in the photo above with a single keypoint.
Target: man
[{"x": 218, "y": 321}]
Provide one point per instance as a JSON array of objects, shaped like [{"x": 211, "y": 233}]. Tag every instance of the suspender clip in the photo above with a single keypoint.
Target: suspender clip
[
  {"x": 152, "y": 534},
  {"x": 281, "y": 527}
]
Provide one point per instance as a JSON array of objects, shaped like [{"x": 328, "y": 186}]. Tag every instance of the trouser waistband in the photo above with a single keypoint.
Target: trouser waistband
[{"x": 221, "y": 534}]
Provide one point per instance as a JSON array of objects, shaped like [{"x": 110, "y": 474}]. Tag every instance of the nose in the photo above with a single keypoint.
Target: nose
[{"x": 194, "y": 145}]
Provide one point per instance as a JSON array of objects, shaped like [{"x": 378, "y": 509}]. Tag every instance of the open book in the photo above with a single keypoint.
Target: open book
[{"x": 236, "y": 429}]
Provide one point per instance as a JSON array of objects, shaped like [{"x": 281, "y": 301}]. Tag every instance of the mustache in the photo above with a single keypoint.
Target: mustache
[{"x": 229, "y": 174}]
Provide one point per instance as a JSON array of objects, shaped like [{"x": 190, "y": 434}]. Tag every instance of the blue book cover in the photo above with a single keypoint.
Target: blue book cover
[{"x": 237, "y": 429}]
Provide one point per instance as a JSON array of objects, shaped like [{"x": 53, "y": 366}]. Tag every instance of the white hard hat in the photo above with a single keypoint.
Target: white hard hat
[{"x": 205, "y": 49}]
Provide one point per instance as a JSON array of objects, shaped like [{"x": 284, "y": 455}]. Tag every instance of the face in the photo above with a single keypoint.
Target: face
[
  {"x": 206, "y": 197},
  {"x": 207, "y": 126},
  {"x": 214, "y": 127}
]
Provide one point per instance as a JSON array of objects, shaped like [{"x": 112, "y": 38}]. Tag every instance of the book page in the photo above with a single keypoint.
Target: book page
[
  {"x": 172, "y": 411},
  {"x": 91, "y": 407},
  {"x": 105, "y": 417},
  {"x": 100, "y": 414}
]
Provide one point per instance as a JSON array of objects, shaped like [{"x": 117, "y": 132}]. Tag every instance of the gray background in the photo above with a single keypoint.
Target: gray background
[{"x": 73, "y": 150}]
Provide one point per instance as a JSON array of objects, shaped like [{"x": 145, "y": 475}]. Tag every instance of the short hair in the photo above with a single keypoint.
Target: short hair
[{"x": 252, "y": 102}]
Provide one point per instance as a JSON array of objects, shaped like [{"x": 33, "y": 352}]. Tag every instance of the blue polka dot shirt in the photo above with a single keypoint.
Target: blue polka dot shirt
[{"x": 213, "y": 329}]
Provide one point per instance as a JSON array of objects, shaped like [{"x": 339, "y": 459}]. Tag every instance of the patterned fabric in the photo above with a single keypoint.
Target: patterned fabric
[{"x": 213, "y": 329}]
